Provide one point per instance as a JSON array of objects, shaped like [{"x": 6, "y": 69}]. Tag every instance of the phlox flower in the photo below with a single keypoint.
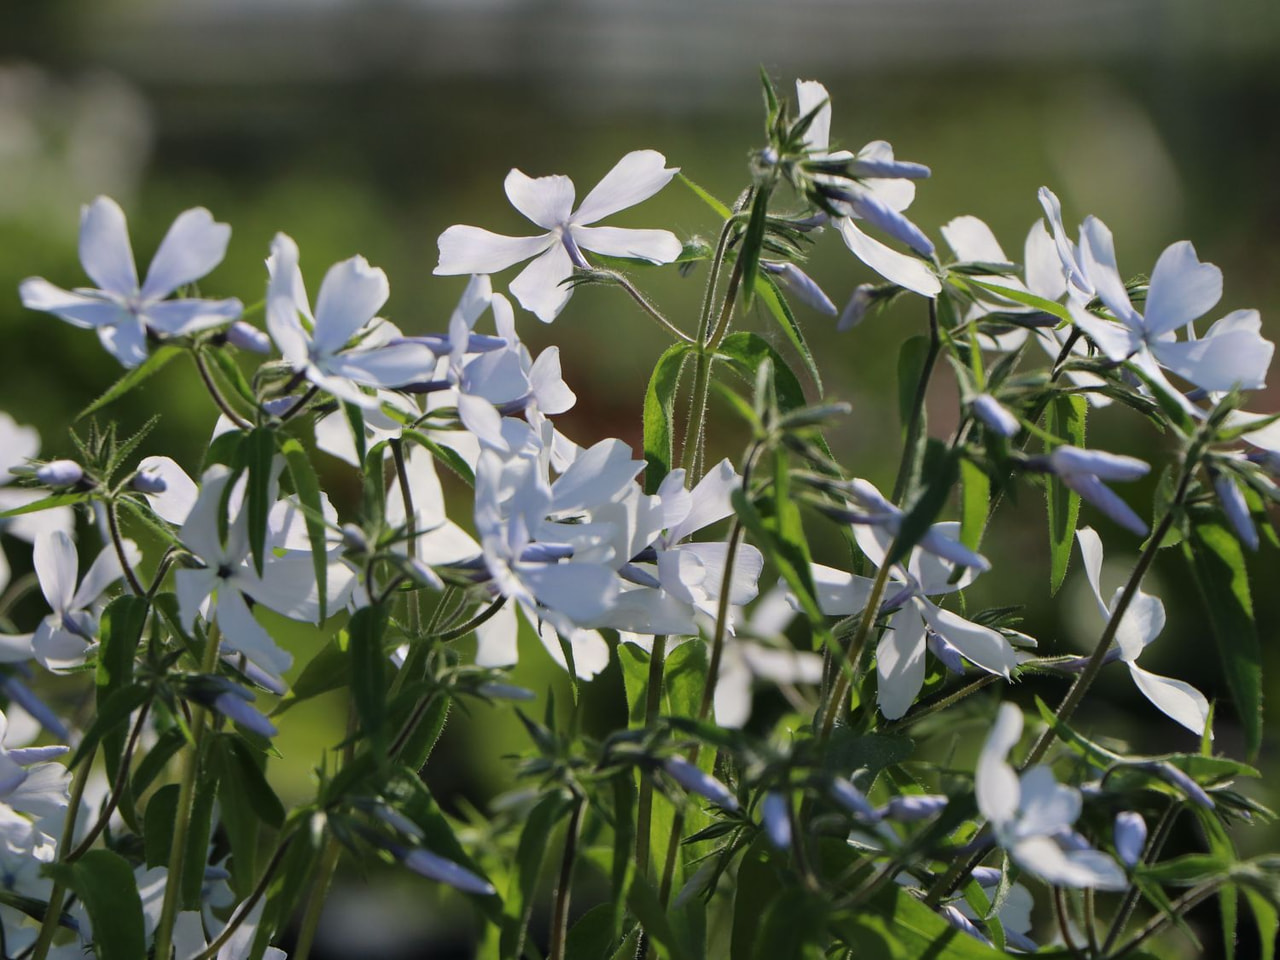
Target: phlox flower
[
  {"x": 918, "y": 623},
  {"x": 69, "y": 632},
  {"x": 548, "y": 202},
  {"x": 1142, "y": 623},
  {"x": 1084, "y": 472},
  {"x": 316, "y": 345},
  {"x": 1233, "y": 352},
  {"x": 120, "y": 309},
  {"x": 1032, "y": 815},
  {"x": 18, "y": 445}
]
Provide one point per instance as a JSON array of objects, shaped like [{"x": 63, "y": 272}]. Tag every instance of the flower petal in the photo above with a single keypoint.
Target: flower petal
[
  {"x": 906, "y": 271},
  {"x": 242, "y": 633},
  {"x": 105, "y": 252},
  {"x": 104, "y": 571},
  {"x": 654, "y": 246},
  {"x": 1047, "y": 807},
  {"x": 391, "y": 366},
  {"x": 351, "y": 293},
  {"x": 1236, "y": 358},
  {"x": 1181, "y": 289},
  {"x": 180, "y": 491},
  {"x": 1097, "y": 249},
  {"x": 900, "y": 663},
  {"x": 183, "y": 317},
  {"x": 1091, "y": 553},
  {"x": 540, "y": 288},
  {"x": 981, "y": 645},
  {"x": 1180, "y": 701},
  {"x": 56, "y": 566},
  {"x": 194, "y": 245},
  {"x": 465, "y": 249},
  {"x": 547, "y": 201},
  {"x": 1142, "y": 623},
  {"x": 810, "y": 94},
  {"x": 77, "y": 309},
  {"x": 126, "y": 340},
  {"x": 972, "y": 241},
  {"x": 1043, "y": 267},
  {"x": 634, "y": 178},
  {"x": 996, "y": 785}
]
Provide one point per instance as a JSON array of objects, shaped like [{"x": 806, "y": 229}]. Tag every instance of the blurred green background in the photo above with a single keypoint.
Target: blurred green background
[{"x": 369, "y": 127}]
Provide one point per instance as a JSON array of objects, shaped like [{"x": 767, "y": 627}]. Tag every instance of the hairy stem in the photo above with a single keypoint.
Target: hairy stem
[
  {"x": 1154, "y": 846},
  {"x": 117, "y": 788},
  {"x": 907, "y": 467},
  {"x": 182, "y": 817},
  {"x": 564, "y": 886},
  {"x": 652, "y": 706},
  {"x": 315, "y": 901},
  {"x": 211, "y": 385},
  {"x": 251, "y": 901},
  {"x": 412, "y": 611},
  {"x": 53, "y": 912},
  {"x": 853, "y": 653},
  {"x": 113, "y": 525}
]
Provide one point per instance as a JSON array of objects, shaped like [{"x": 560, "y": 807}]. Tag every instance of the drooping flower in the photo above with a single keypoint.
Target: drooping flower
[
  {"x": 548, "y": 202},
  {"x": 1084, "y": 472},
  {"x": 1142, "y": 623},
  {"x": 1032, "y": 815},
  {"x": 119, "y": 309}
]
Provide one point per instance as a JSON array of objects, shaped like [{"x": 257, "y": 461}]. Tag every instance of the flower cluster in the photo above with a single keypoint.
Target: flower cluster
[{"x": 696, "y": 584}]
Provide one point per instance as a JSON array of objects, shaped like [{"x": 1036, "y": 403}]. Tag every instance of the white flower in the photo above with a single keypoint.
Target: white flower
[
  {"x": 17, "y": 446},
  {"x": 121, "y": 310},
  {"x": 548, "y": 202},
  {"x": 1232, "y": 354},
  {"x": 68, "y": 633},
  {"x": 1029, "y": 815},
  {"x": 1142, "y": 623},
  {"x": 900, "y": 655},
  {"x": 350, "y": 296}
]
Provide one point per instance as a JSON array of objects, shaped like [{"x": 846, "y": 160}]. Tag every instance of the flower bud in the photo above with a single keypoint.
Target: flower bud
[
  {"x": 435, "y": 867},
  {"x": 996, "y": 418},
  {"x": 801, "y": 285},
  {"x": 505, "y": 691},
  {"x": 1180, "y": 779},
  {"x": 1130, "y": 835},
  {"x": 696, "y": 781},
  {"x": 248, "y": 337},
  {"x": 943, "y": 649},
  {"x": 855, "y": 311},
  {"x": 1236, "y": 509},
  {"x": 853, "y": 800},
  {"x": 961, "y": 922},
  {"x": 234, "y": 707},
  {"x": 908, "y": 809},
  {"x": 425, "y": 575},
  {"x": 776, "y": 814},
  {"x": 149, "y": 481},
  {"x": 60, "y": 473},
  {"x": 987, "y": 876}
]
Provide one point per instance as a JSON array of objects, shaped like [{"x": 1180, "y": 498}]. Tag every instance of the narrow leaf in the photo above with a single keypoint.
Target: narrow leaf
[
  {"x": 1065, "y": 418},
  {"x": 260, "y": 450},
  {"x": 158, "y": 358},
  {"x": 104, "y": 881},
  {"x": 659, "y": 408},
  {"x": 307, "y": 487}
]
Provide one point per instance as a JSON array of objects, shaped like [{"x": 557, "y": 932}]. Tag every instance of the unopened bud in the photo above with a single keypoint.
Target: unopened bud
[
  {"x": 776, "y": 814},
  {"x": 233, "y": 706},
  {"x": 248, "y": 337},
  {"x": 1130, "y": 835},
  {"x": 996, "y": 418},
  {"x": 853, "y": 800},
  {"x": 908, "y": 809},
  {"x": 353, "y": 538},
  {"x": 435, "y": 867},
  {"x": 1236, "y": 509},
  {"x": 60, "y": 473},
  {"x": 696, "y": 781},
  {"x": 148, "y": 481},
  {"x": 855, "y": 311}
]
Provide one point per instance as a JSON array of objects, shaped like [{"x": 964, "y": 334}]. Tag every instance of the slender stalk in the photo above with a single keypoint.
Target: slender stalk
[
  {"x": 117, "y": 788},
  {"x": 1090, "y": 924},
  {"x": 245, "y": 908},
  {"x": 1154, "y": 844},
  {"x": 648, "y": 307},
  {"x": 52, "y": 913},
  {"x": 162, "y": 568},
  {"x": 907, "y": 465},
  {"x": 1090, "y": 672},
  {"x": 315, "y": 902},
  {"x": 1064, "y": 926},
  {"x": 113, "y": 525},
  {"x": 296, "y": 407},
  {"x": 412, "y": 611},
  {"x": 942, "y": 703},
  {"x": 182, "y": 817},
  {"x": 691, "y": 459},
  {"x": 564, "y": 886},
  {"x": 211, "y": 385},
  {"x": 1192, "y": 898},
  {"x": 644, "y": 802},
  {"x": 853, "y": 653}
]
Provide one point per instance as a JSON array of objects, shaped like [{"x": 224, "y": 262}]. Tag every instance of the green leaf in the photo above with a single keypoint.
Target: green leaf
[
  {"x": 104, "y": 881},
  {"x": 592, "y": 936},
  {"x": 158, "y": 358},
  {"x": 47, "y": 503},
  {"x": 355, "y": 418},
  {"x": 157, "y": 825},
  {"x": 260, "y": 450},
  {"x": 156, "y": 759},
  {"x": 899, "y": 927},
  {"x": 623, "y": 868},
  {"x": 940, "y": 471},
  {"x": 307, "y": 487},
  {"x": 975, "y": 499},
  {"x": 778, "y": 309},
  {"x": 232, "y": 373},
  {"x": 800, "y": 584},
  {"x": 368, "y": 682},
  {"x": 417, "y": 748},
  {"x": 1187, "y": 869},
  {"x": 326, "y": 671},
  {"x": 284, "y": 893},
  {"x": 792, "y": 922},
  {"x": 1266, "y": 919},
  {"x": 1064, "y": 417},
  {"x": 753, "y": 245},
  {"x": 723, "y": 211},
  {"x": 246, "y": 770},
  {"x": 1218, "y": 565},
  {"x": 446, "y": 455},
  {"x": 199, "y": 829},
  {"x": 848, "y": 752},
  {"x": 113, "y": 713},
  {"x": 121, "y": 631},
  {"x": 911, "y": 363},
  {"x": 237, "y": 817},
  {"x": 656, "y": 919},
  {"x": 530, "y": 853},
  {"x": 659, "y": 408},
  {"x": 1024, "y": 297},
  {"x": 746, "y": 351}
]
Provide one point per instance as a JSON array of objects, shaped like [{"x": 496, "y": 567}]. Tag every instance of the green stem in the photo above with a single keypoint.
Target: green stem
[
  {"x": 52, "y": 913},
  {"x": 643, "y": 302},
  {"x": 942, "y": 703},
  {"x": 564, "y": 887},
  {"x": 853, "y": 653},
  {"x": 113, "y": 525},
  {"x": 1154, "y": 846},
  {"x": 412, "y": 612},
  {"x": 1182, "y": 905},
  {"x": 1082, "y": 683},
  {"x": 182, "y": 819},
  {"x": 907, "y": 466},
  {"x": 652, "y": 706},
  {"x": 1064, "y": 924},
  {"x": 245, "y": 908},
  {"x": 315, "y": 902},
  {"x": 117, "y": 788},
  {"x": 211, "y": 385}
]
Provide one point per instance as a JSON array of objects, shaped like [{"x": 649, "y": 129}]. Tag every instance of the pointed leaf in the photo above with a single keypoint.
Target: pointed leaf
[
  {"x": 307, "y": 487},
  {"x": 158, "y": 358},
  {"x": 1065, "y": 418},
  {"x": 659, "y": 407}
]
